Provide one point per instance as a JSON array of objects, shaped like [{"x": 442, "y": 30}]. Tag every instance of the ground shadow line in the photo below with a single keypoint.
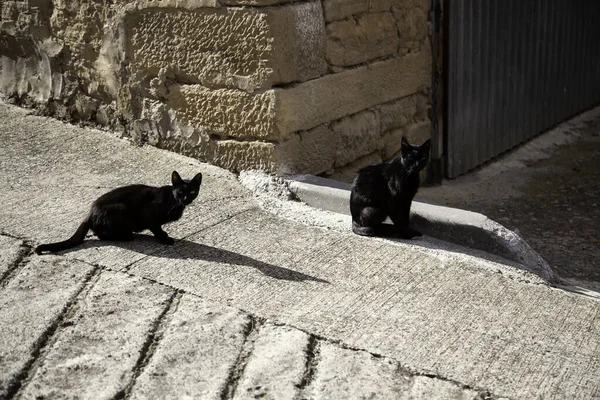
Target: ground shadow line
[{"x": 186, "y": 249}]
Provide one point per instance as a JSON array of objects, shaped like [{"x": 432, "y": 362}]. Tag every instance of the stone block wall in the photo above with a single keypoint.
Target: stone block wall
[{"x": 321, "y": 87}]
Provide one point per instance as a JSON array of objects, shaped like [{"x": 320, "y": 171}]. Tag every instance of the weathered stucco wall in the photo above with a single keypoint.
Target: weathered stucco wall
[{"x": 320, "y": 87}]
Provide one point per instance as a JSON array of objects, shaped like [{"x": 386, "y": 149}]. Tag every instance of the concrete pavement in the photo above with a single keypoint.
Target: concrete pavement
[
  {"x": 548, "y": 189},
  {"x": 259, "y": 298},
  {"x": 453, "y": 225}
]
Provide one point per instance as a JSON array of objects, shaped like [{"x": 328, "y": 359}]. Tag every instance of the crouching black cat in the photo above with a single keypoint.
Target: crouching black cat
[
  {"x": 387, "y": 189},
  {"x": 119, "y": 213}
]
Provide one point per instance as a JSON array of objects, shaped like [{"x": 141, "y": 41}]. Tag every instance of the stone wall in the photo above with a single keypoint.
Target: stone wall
[{"x": 319, "y": 87}]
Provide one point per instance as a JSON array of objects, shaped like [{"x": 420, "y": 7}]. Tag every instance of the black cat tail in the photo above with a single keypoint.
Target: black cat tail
[
  {"x": 362, "y": 230},
  {"x": 382, "y": 230},
  {"x": 73, "y": 241}
]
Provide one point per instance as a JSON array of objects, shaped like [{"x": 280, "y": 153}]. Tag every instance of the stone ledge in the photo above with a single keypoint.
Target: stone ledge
[
  {"x": 225, "y": 112},
  {"x": 255, "y": 3},
  {"x": 334, "y": 96},
  {"x": 453, "y": 225},
  {"x": 205, "y": 79},
  {"x": 358, "y": 136},
  {"x": 277, "y": 113},
  {"x": 183, "y": 4},
  {"x": 365, "y": 38},
  {"x": 340, "y": 9},
  {"x": 241, "y": 48}
]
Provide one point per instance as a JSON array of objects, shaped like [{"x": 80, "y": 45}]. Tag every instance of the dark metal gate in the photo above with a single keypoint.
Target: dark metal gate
[{"x": 514, "y": 69}]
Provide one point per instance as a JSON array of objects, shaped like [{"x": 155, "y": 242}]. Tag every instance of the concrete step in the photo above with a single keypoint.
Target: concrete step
[
  {"x": 33, "y": 304},
  {"x": 97, "y": 350}
]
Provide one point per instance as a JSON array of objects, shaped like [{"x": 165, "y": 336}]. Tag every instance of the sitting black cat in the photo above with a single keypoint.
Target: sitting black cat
[
  {"x": 119, "y": 213},
  {"x": 387, "y": 189}
]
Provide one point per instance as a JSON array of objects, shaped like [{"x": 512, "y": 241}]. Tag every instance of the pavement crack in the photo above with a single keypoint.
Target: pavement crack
[
  {"x": 22, "y": 258},
  {"x": 12, "y": 236},
  {"x": 153, "y": 339},
  {"x": 313, "y": 354},
  {"x": 310, "y": 367},
  {"x": 220, "y": 200},
  {"x": 48, "y": 337},
  {"x": 236, "y": 372},
  {"x": 482, "y": 394}
]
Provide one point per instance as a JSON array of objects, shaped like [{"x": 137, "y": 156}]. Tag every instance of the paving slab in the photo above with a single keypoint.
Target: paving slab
[
  {"x": 461, "y": 227},
  {"x": 448, "y": 317},
  {"x": 277, "y": 365},
  {"x": 55, "y": 215},
  {"x": 49, "y": 154},
  {"x": 67, "y": 168},
  {"x": 199, "y": 348},
  {"x": 431, "y": 308},
  {"x": 11, "y": 252},
  {"x": 99, "y": 345},
  {"x": 63, "y": 217},
  {"x": 548, "y": 189},
  {"x": 348, "y": 374},
  {"x": 31, "y": 304}
]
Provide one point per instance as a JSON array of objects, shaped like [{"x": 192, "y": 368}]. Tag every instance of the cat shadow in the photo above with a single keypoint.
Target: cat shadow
[{"x": 184, "y": 249}]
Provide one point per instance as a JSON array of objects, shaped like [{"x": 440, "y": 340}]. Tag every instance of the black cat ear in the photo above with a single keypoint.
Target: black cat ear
[
  {"x": 404, "y": 146},
  {"x": 197, "y": 180},
  {"x": 427, "y": 145},
  {"x": 176, "y": 179}
]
